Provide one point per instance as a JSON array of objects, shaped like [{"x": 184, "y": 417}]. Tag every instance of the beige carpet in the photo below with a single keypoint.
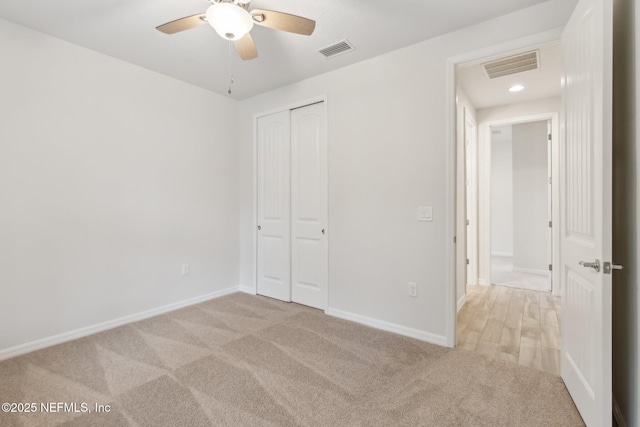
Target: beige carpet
[{"x": 243, "y": 360}]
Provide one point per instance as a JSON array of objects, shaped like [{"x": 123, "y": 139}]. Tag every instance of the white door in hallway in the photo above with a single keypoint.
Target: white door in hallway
[
  {"x": 274, "y": 206},
  {"x": 309, "y": 253},
  {"x": 471, "y": 199},
  {"x": 586, "y": 210}
]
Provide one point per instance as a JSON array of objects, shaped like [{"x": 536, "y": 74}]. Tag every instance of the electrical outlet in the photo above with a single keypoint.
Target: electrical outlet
[
  {"x": 413, "y": 289},
  {"x": 185, "y": 269}
]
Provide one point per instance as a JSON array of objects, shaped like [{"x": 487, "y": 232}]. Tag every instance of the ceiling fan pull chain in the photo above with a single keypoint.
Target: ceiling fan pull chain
[{"x": 230, "y": 69}]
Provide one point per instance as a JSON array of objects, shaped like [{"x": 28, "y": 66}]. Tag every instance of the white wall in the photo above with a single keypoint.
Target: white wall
[
  {"x": 501, "y": 191},
  {"x": 111, "y": 177},
  {"x": 387, "y": 156},
  {"x": 626, "y": 211},
  {"x": 463, "y": 104},
  {"x": 531, "y": 239}
]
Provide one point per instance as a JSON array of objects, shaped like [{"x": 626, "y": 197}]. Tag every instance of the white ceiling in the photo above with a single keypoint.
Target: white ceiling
[
  {"x": 125, "y": 29},
  {"x": 541, "y": 83}
]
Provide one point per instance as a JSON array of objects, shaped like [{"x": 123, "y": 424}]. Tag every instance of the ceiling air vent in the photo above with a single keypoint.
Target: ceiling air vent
[
  {"x": 512, "y": 65},
  {"x": 337, "y": 49}
]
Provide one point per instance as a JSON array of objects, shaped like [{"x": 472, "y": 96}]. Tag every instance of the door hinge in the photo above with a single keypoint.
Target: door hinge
[
  {"x": 467, "y": 222},
  {"x": 467, "y": 261},
  {"x": 550, "y": 267},
  {"x": 550, "y": 224},
  {"x": 549, "y": 137},
  {"x": 455, "y": 239}
]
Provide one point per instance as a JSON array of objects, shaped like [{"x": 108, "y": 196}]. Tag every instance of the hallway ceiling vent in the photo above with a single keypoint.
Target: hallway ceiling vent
[
  {"x": 336, "y": 49},
  {"x": 512, "y": 65}
]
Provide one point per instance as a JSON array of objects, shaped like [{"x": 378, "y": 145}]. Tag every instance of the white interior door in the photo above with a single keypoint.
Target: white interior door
[
  {"x": 586, "y": 210},
  {"x": 471, "y": 162},
  {"x": 309, "y": 253},
  {"x": 274, "y": 206}
]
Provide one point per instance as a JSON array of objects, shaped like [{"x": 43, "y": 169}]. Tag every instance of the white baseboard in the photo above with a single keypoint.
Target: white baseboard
[
  {"x": 461, "y": 301},
  {"x": 531, "y": 271},
  {"x": 617, "y": 414},
  {"x": 390, "y": 327},
  {"x": 248, "y": 289},
  {"x": 482, "y": 282},
  {"x": 507, "y": 254},
  {"x": 18, "y": 350}
]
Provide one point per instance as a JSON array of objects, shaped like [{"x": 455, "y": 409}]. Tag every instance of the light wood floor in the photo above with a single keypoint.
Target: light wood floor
[{"x": 515, "y": 325}]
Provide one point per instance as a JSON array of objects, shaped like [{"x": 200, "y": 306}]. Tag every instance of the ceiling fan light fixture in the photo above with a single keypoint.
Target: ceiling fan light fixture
[{"x": 231, "y": 22}]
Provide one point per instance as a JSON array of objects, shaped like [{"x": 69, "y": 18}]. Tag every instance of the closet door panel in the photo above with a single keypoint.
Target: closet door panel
[
  {"x": 309, "y": 251},
  {"x": 274, "y": 206}
]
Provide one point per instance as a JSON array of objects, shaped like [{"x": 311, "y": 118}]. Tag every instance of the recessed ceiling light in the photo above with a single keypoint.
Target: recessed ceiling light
[{"x": 516, "y": 88}]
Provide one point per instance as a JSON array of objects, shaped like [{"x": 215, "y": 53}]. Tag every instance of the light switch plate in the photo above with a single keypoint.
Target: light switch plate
[{"x": 425, "y": 213}]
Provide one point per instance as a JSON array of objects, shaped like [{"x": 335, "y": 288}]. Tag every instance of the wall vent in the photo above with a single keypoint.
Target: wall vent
[
  {"x": 336, "y": 49},
  {"x": 512, "y": 65}
]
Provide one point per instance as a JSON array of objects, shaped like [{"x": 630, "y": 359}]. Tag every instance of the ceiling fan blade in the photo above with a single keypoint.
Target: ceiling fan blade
[
  {"x": 283, "y": 21},
  {"x": 246, "y": 47},
  {"x": 183, "y": 24}
]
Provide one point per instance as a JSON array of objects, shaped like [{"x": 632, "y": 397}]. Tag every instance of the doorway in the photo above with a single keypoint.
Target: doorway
[
  {"x": 521, "y": 205},
  {"x": 507, "y": 311}
]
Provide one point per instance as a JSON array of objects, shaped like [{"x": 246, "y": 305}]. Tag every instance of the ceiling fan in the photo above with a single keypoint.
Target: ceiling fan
[{"x": 233, "y": 21}]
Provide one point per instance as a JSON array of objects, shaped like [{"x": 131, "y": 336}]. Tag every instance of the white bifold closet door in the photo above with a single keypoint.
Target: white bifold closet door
[{"x": 292, "y": 193}]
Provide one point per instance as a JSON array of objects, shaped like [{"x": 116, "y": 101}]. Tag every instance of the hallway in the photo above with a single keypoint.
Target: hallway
[{"x": 516, "y": 325}]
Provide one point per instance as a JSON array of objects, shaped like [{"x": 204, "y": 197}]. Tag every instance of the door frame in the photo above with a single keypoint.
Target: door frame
[
  {"x": 451, "y": 114},
  {"x": 484, "y": 159},
  {"x": 254, "y": 221}
]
